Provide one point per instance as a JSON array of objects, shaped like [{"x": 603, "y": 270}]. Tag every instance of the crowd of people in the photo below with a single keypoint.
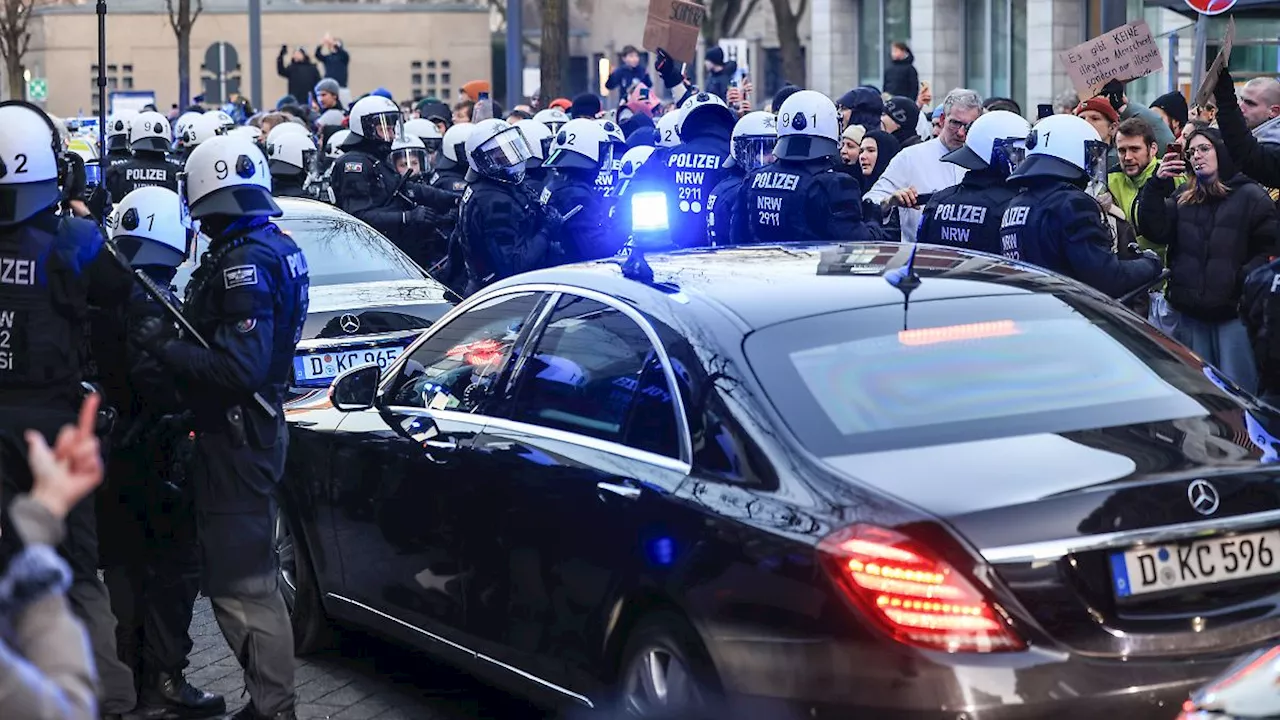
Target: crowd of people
[{"x": 1103, "y": 189}]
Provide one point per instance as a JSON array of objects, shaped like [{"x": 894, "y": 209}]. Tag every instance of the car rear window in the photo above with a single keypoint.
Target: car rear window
[
  {"x": 972, "y": 368},
  {"x": 338, "y": 251}
]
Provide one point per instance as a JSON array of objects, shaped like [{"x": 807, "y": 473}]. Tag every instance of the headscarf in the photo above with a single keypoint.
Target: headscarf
[{"x": 887, "y": 147}]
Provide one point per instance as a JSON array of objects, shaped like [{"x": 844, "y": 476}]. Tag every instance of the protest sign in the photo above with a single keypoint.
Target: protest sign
[
  {"x": 1126, "y": 53},
  {"x": 674, "y": 25}
]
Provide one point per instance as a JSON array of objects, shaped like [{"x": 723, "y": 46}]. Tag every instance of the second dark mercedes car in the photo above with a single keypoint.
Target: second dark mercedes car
[{"x": 768, "y": 482}]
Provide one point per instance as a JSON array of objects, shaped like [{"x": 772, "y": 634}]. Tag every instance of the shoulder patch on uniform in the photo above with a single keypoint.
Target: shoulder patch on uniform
[
  {"x": 240, "y": 276},
  {"x": 246, "y": 325},
  {"x": 353, "y": 166},
  {"x": 546, "y": 195}
]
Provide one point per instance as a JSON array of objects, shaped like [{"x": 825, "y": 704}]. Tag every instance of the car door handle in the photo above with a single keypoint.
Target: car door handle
[
  {"x": 626, "y": 491},
  {"x": 450, "y": 444}
]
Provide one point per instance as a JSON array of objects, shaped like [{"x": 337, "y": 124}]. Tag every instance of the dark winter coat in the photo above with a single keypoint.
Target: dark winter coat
[
  {"x": 301, "y": 76},
  {"x": 336, "y": 63},
  {"x": 900, "y": 78},
  {"x": 1212, "y": 245}
]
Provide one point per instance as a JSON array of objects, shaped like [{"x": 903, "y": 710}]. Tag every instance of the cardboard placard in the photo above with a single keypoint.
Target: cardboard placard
[
  {"x": 1126, "y": 53},
  {"x": 674, "y": 26},
  {"x": 1210, "y": 82}
]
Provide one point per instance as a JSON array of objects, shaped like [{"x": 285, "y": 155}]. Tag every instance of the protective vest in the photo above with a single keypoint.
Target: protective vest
[
  {"x": 967, "y": 215},
  {"x": 720, "y": 209}
]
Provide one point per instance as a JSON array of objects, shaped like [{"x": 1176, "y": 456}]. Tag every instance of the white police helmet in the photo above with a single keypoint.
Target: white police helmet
[
  {"x": 614, "y": 132},
  {"x": 203, "y": 128},
  {"x": 226, "y": 121},
  {"x": 454, "y": 149},
  {"x": 228, "y": 176},
  {"x": 539, "y": 139},
  {"x": 180, "y": 127},
  {"x": 754, "y": 138},
  {"x": 412, "y": 151},
  {"x": 1063, "y": 146},
  {"x": 118, "y": 129},
  {"x": 376, "y": 118},
  {"x": 287, "y": 128},
  {"x": 497, "y": 149},
  {"x": 668, "y": 130},
  {"x": 582, "y": 144},
  {"x": 147, "y": 227},
  {"x": 426, "y": 131},
  {"x": 808, "y": 127},
  {"x": 290, "y": 153},
  {"x": 248, "y": 132},
  {"x": 702, "y": 109},
  {"x": 996, "y": 139},
  {"x": 633, "y": 159},
  {"x": 149, "y": 131},
  {"x": 29, "y": 150},
  {"x": 553, "y": 118},
  {"x": 333, "y": 148}
]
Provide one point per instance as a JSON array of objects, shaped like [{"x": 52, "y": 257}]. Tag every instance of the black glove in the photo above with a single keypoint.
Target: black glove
[
  {"x": 552, "y": 220},
  {"x": 151, "y": 334},
  {"x": 669, "y": 69},
  {"x": 284, "y": 50},
  {"x": 421, "y": 215}
]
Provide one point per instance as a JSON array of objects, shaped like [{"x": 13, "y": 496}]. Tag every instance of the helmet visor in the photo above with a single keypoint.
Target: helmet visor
[
  {"x": 753, "y": 151},
  {"x": 1095, "y": 164},
  {"x": 381, "y": 126},
  {"x": 433, "y": 144},
  {"x": 1009, "y": 153},
  {"x": 409, "y": 160},
  {"x": 504, "y": 153}
]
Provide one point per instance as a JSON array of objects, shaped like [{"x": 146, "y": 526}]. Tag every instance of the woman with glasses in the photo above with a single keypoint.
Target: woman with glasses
[{"x": 1219, "y": 227}]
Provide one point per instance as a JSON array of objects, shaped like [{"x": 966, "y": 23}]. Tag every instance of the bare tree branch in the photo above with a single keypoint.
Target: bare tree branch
[
  {"x": 196, "y": 15},
  {"x": 173, "y": 18},
  {"x": 743, "y": 17}
]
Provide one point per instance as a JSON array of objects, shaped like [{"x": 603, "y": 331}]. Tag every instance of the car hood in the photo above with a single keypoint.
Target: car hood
[
  {"x": 377, "y": 307},
  {"x": 1050, "y": 486}
]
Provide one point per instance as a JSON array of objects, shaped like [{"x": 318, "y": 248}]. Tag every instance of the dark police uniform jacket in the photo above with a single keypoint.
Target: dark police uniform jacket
[
  {"x": 1260, "y": 311},
  {"x": 362, "y": 186},
  {"x": 799, "y": 201},
  {"x": 721, "y": 206},
  {"x": 1058, "y": 226},
  {"x": 500, "y": 232},
  {"x": 968, "y": 215},
  {"x": 145, "y": 169},
  {"x": 687, "y": 174},
  {"x": 583, "y": 236}
]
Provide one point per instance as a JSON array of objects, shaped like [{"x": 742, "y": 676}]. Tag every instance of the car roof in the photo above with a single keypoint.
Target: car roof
[
  {"x": 766, "y": 284},
  {"x": 304, "y": 208}
]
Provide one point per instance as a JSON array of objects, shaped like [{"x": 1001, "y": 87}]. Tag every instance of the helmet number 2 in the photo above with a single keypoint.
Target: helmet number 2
[{"x": 21, "y": 159}]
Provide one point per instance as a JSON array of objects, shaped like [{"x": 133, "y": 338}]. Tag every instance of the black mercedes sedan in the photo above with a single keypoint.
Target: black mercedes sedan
[
  {"x": 768, "y": 482},
  {"x": 368, "y": 300}
]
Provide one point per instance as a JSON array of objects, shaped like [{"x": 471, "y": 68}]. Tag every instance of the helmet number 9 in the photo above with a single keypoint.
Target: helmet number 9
[
  {"x": 221, "y": 169},
  {"x": 21, "y": 159}
]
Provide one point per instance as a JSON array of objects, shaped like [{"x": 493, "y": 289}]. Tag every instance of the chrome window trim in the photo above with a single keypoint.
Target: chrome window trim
[
  {"x": 478, "y": 656},
  {"x": 317, "y": 343},
  {"x": 1055, "y": 549},
  {"x": 682, "y": 418}
]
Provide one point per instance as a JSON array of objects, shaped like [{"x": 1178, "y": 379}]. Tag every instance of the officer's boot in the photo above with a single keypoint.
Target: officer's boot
[
  {"x": 168, "y": 696},
  {"x": 249, "y": 713}
]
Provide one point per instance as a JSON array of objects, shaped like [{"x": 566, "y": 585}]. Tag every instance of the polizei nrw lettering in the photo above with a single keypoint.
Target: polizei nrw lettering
[{"x": 694, "y": 162}]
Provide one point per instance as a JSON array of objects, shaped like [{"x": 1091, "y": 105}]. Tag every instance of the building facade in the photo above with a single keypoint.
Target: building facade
[{"x": 410, "y": 49}]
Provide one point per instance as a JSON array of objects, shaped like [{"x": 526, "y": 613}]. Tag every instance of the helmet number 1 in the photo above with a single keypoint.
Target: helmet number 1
[
  {"x": 1046, "y": 138},
  {"x": 21, "y": 159},
  {"x": 151, "y": 220}
]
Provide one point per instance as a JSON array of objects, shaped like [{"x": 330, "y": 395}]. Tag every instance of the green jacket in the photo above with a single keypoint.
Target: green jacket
[{"x": 1124, "y": 193}]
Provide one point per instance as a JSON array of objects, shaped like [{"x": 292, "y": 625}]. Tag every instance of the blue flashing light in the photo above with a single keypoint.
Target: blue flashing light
[
  {"x": 662, "y": 551},
  {"x": 649, "y": 212}
]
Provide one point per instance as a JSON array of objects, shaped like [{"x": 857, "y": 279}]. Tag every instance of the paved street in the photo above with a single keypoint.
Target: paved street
[{"x": 362, "y": 678}]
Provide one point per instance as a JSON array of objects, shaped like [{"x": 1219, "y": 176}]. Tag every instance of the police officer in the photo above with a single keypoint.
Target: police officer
[
  {"x": 451, "y": 169},
  {"x": 801, "y": 197},
  {"x": 118, "y": 137},
  {"x": 607, "y": 179},
  {"x": 576, "y": 161},
  {"x": 432, "y": 140},
  {"x": 150, "y": 167},
  {"x": 180, "y": 132},
  {"x": 368, "y": 187},
  {"x": 539, "y": 139},
  {"x": 552, "y": 118},
  {"x": 1053, "y": 223},
  {"x": 149, "y": 551},
  {"x": 205, "y": 126},
  {"x": 332, "y": 151},
  {"x": 1260, "y": 311},
  {"x": 248, "y": 298},
  {"x": 754, "y": 138},
  {"x": 502, "y": 229},
  {"x": 689, "y": 171},
  {"x": 51, "y": 270},
  {"x": 619, "y": 227},
  {"x": 667, "y": 134},
  {"x": 290, "y": 154},
  {"x": 968, "y": 215}
]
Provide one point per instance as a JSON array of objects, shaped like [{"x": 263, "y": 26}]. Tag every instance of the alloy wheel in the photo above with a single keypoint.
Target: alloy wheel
[{"x": 658, "y": 683}]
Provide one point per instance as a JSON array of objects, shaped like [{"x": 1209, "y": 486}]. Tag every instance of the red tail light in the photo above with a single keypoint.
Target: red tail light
[{"x": 915, "y": 594}]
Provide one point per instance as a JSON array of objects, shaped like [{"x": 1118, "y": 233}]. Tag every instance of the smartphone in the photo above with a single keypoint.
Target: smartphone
[
  {"x": 483, "y": 96},
  {"x": 1043, "y": 110},
  {"x": 1173, "y": 147},
  {"x": 644, "y": 94}
]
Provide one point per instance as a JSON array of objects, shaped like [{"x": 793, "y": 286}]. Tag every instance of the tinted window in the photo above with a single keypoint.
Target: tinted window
[
  {"x": 456, "y": 367},
  {"x": 339, "y": 250},
  {"x": 594, "y": 372},
  {"x": 972, "y": 368}
]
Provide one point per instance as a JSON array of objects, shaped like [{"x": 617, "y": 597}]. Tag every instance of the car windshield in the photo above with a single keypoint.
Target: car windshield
[
  {"x": 339, "y": 250},
  {"x": 975, "y": 368}
]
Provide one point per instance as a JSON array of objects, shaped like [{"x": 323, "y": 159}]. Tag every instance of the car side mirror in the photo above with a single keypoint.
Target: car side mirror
[{"x": 356, "y": 389}]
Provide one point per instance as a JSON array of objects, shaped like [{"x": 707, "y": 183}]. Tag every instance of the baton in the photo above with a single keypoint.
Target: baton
[
  {"x": 153, "y": 290},
  {"x": 1164, "y": 275}
]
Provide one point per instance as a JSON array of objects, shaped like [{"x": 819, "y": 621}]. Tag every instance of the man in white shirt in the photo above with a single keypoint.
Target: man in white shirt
[{"x": 918, "y": 170}]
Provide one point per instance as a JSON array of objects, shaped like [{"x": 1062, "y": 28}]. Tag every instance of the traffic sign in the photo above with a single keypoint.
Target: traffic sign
[
  {"x": 1211, "y": 7},
  {"x": 38, "y": 89}
]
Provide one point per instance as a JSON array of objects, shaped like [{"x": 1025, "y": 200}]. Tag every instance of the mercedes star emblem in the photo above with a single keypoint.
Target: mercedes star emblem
[
  {"x": 1203, "y": 497},
  {"x": 350, "y": 323}
]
